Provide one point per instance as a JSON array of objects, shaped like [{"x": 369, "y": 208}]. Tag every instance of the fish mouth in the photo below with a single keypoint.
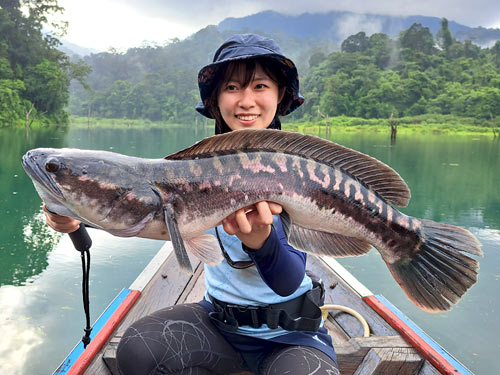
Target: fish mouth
[{"x": 39, "y": 175}]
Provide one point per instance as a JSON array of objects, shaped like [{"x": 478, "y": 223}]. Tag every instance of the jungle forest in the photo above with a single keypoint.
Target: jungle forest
[{"x": 367, "y": 76}]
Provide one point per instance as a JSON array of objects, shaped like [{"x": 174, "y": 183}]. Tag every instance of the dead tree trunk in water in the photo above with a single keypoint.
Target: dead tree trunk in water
[
  {"x": 493, "y": 126},
  {"x": 27, "y": 122},
  {"x": 394, "y": 128},
  {"x": 327, "y": 125},
  {"x": 88, "y": 114}
]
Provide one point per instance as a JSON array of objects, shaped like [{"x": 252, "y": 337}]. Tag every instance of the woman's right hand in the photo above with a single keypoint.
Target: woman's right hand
[{"x": 59, "y": 223}]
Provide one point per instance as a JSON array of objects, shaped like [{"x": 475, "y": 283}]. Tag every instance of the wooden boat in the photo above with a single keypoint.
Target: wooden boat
[{"x": 395, "y": 345}]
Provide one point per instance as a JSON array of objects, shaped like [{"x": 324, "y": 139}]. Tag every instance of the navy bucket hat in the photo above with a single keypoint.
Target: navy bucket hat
[{"x": 249, "y": 46}]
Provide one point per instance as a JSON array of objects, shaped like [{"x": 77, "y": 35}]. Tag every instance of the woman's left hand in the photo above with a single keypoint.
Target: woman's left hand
[{"x": 252, "y": 224}]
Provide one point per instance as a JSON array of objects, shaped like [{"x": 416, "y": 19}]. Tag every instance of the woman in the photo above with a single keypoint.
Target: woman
[{"x": 248, "y": 318}]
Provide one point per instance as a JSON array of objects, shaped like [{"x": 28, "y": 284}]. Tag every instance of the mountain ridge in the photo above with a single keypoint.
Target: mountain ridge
[
  {"x": 319, "y": 26},
  {"x": 338, "y": 25}
]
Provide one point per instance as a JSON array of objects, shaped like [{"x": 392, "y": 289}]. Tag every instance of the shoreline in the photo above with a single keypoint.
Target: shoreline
[{"x": 423, "y": 124}]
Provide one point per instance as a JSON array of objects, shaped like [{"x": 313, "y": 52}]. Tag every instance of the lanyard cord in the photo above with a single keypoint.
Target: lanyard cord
[
  {"x": 238, "y": 264},
  {"x": 82, "y": 242},
  {"x": 85, "y": 256}
]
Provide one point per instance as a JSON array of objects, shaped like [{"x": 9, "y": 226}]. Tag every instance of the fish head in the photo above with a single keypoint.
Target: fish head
[{"x": 104, "y": 189}]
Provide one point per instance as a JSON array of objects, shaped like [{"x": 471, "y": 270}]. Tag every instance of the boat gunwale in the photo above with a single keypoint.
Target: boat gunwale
[{"x": 438, "y": 361}]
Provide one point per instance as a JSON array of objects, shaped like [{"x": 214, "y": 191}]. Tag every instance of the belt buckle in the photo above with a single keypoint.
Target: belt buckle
[{"x": 253, "y": 311}]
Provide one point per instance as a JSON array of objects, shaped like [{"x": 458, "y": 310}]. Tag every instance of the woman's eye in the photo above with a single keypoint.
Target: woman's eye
[
  {"x": 260, "y": 86},
  {"x": 231, "y": 88}
]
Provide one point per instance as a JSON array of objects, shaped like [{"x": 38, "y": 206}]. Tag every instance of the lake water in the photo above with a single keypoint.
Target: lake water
[{"x": 454, "y": 179}]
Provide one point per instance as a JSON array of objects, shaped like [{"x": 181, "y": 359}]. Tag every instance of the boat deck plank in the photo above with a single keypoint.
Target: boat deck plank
[
  {"x": 383, "y": 361},
  {"x": 356, "y": 355},
  {"x": 343, "y": 294}
]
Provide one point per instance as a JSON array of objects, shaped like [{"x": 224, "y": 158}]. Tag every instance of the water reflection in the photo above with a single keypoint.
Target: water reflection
[
  {"x": 43, "y": 319},
  {"x": 40, "y": 272},
  {"x": 24, "y": 239},
  {"x": 449, "y": 176},
  {"x": 20, "y": 334},
  {"x": 148, "y": 143},
  {"x": 452, "y": 179}
]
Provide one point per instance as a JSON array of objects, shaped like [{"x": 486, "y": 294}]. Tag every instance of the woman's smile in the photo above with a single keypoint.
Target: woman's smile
[{"x": 247, "y": 117}]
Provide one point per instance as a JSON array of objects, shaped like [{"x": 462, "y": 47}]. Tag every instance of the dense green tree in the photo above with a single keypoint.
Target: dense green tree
[
  {"x": 483, "y": 102},
  {"x": 35, "y": 74},
  {"x": 372, "y": 77},
  {"x": 443, "y": 37},
  {"x": 316, "y": 58},
  {"x": 355, "y": 43},
  {"x": 11, "y": 102},
  {"x": 46, "y": 86},
  {"x": 418, "y": 39},
  {"x": 382, "y": 49},
  {"x": 410, "y": 79},
  {"x": 496, "y": 53}
]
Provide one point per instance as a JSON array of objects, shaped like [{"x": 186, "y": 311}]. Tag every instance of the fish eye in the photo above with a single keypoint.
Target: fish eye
[{"x": 51, "y": 166}]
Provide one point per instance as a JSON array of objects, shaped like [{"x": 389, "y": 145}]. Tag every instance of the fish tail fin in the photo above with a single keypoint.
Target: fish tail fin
[{"x": 439, "y": 274}]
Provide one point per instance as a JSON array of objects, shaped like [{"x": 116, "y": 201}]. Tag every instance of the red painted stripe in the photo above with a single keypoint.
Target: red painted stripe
[
  {"x": 429, "y": 353},
  {"x": 102, "y": 336}
]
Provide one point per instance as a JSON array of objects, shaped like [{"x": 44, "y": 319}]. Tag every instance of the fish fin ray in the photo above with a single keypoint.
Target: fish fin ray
[
  {"x": 439, "y": 274},
  {"x": 285, "y": 222},
  {"x": 132, "y": 231},
  {"x": 324, "y": 243},
  {"x": 373, "y": 173},
  {"x": 177, "y": 241},
  {"x": 206, "y": 248}
]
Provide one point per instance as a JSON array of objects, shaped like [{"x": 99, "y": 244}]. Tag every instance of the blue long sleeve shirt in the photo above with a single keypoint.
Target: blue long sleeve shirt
[
  {"x": 278, "y": 274},
  {"x": 280, "y": 265}
]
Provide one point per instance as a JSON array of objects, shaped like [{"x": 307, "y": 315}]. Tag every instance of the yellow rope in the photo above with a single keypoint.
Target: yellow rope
[{"x": 326, "y": 308}]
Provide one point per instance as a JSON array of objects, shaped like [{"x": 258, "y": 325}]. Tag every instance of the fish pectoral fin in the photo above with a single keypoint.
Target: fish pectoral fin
[
  {"x": 205, "y": 248},
  {"x": 438, "y": 273},
  {"x": 132, "y": 231},
  {"x": 324, "y": 243},
  {"x": 286, "y": 222},
  {"x": 177, "y": 241}
]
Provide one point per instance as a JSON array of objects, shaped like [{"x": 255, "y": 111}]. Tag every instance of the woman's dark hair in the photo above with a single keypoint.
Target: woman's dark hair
[{"x": 249, "y": 67}]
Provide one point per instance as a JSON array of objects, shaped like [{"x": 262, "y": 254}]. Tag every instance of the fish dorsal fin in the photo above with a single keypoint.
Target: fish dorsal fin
[{"x": 372, "y": 172}]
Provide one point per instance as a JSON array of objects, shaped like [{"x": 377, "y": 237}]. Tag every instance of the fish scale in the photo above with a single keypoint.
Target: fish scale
[{"x": 336, "y": 202}]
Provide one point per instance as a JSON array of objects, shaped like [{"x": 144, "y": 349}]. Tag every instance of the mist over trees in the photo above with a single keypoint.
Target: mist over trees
[
  {"x": 371, "y": 77},
  {"x": 375, "y": 76}
]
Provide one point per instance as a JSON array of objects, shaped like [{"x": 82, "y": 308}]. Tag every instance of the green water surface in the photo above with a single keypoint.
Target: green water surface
[{"x": 453, "y": 179}]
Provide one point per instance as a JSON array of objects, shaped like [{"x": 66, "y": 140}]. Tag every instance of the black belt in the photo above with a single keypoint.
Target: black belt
[{"x": 299, "y": 314}]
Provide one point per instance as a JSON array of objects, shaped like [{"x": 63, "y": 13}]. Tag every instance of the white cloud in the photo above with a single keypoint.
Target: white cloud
[
  {"x": 19, "y": 335},
  {"x": 105, "y": 24},
  {"x": 471, "y": 13},
  {"x": 102, "y": 24}
]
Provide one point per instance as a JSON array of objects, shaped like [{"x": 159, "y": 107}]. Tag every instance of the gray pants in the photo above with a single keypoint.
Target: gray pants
[{"x": 183, "y": 340}]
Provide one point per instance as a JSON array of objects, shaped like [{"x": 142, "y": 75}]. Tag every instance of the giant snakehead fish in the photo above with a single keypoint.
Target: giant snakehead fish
[{"x": 336, "y": 202}]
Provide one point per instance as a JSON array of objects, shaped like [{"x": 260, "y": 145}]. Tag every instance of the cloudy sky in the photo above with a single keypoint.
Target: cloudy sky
[{"x": 101, "y": 24}]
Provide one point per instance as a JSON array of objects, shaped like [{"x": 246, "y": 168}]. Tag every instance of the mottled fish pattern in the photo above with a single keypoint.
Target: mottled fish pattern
[{"x": 337, "y": 202}]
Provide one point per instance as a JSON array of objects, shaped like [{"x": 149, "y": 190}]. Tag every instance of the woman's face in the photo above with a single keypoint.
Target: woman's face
[{"x": 251, "y": 107}]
